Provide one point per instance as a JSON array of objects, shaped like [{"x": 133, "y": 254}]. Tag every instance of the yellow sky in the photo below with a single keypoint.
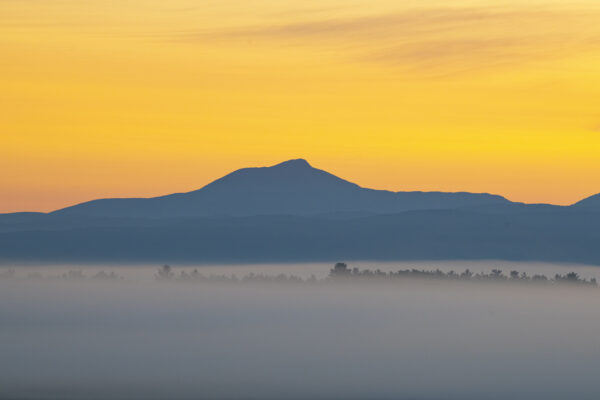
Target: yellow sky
[{"x": 120, "y": 98}]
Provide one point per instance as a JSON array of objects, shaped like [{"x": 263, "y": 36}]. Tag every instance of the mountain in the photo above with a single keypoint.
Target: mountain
[
  {"x": 294, "y": 212},
  {"x": 550, "y": 235},
  {"x": 589, "y": 202},
  {"x": 293, "y": 187}
]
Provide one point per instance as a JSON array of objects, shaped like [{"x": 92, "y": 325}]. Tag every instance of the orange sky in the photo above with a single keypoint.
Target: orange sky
[{"x": 147, "y": 97}]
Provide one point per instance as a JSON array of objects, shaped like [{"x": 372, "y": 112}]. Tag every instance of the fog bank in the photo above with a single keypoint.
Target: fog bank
[{"x": 145, "y": 339}]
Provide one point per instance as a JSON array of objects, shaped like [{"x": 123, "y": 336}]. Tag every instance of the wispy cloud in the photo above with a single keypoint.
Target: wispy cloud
[
  {"x": 457, "y": 55},
  {"x": 417, "y": 21},
  {"x": 439, "y": 38}
]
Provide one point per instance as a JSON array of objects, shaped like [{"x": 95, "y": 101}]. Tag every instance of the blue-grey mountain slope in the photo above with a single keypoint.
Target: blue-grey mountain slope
[
  {"x": 592, "y": 202},
  {"x": 292, "y": 188},
  {"x": 293, "y": 212},
  {"x": 561, "y": 235}
]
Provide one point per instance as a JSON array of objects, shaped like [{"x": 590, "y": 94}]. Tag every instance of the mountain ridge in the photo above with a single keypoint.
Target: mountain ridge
[
  {"x": 551, "y": 235},
  {"x": 294, "y": 212},
  {"x": 591, "y": 201},
  {"x": 292, "y": 187}
]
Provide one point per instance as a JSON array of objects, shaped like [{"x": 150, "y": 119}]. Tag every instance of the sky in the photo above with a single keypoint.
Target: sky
[{"x": 122, "y": 98}]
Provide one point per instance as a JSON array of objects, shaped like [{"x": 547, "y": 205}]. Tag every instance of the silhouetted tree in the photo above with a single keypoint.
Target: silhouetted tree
[
  {"x": 74, "y": 275},
  {"x": 104, "y": 276},
  {"x": 497, "y": 274},
  {"x": 339, "y": 269},
  {"x": 165, "y": 273},
  {"x": 467, "y": 274}
]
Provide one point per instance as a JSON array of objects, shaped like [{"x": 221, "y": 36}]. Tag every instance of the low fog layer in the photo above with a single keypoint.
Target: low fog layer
[
  {"x": 146, "y": 272},
  {"x": 431, "y": 340}
]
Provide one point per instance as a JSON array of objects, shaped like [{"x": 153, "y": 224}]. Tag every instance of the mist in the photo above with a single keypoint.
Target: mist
[{"x": 139, "y": 338}]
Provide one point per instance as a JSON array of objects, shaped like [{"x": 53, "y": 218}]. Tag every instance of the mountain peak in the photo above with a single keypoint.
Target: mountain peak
[
  {"x": 281, "y": 177},
  {"x": 292, "y": 187},
  {"x": 294, "y": 163}
]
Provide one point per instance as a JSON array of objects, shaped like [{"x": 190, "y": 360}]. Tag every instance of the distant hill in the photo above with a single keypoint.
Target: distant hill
[
  {"x": 294, "y": 212},
  {"x": 590, "y": 202},
  {"x": 562, "y": 234},
  {"x": 291, "y": 188}
]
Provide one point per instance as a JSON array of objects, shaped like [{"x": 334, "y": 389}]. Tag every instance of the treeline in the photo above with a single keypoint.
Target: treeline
[
  {"x": 341, "y": 270},
  {"x": 166, "y": 273},
  {"x": 340, "y": 273},
  {"x": 72, "y": 275}
]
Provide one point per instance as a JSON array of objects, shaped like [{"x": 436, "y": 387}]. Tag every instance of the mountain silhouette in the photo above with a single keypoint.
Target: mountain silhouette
[
  {"x": 561, "y": 234},
  {"x": 294, "y": 212},
  {"x": 293, "y": 187},
  {"x": 589, "y": 202}
]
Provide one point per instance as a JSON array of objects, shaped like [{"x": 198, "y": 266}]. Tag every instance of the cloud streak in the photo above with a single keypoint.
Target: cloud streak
[{"x": 439, "y": 39}]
